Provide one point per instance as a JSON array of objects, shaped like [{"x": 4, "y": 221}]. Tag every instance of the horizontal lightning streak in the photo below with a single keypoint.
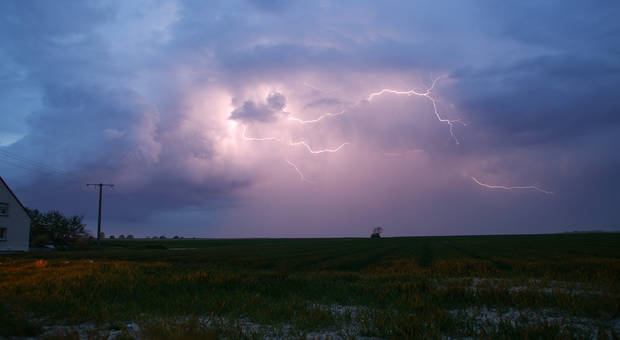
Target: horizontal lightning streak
[
  {"x": 427, "y": 95},
  {"x": 301, "y": 175},
  {"x": 312, "y": 151},
  {"x": 328, "y": 114},
  {"x": 510, "y": 188},
  {"x": 317, "y": 151}
]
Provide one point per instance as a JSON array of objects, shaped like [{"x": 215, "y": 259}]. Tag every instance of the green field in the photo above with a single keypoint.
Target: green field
[{"x": 534, "y": 286}]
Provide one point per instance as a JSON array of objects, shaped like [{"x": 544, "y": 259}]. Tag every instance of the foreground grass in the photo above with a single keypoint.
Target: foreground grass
[{"x": 543, "y": 286}]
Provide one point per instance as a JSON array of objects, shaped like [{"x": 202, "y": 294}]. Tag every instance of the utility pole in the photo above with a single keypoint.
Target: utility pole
[{"x": 100, "y": 185}]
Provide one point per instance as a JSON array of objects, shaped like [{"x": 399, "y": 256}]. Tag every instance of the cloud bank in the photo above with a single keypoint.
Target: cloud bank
[{"x": 219, "y": 119}]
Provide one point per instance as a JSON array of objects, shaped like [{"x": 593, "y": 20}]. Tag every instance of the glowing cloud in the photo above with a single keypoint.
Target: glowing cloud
[{"x": 254, "y": 138}]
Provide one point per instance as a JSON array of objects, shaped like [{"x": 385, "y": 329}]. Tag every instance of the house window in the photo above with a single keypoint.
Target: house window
[
  {"x": 4, "y": 209},
  {"x": 2, "y": 234}
]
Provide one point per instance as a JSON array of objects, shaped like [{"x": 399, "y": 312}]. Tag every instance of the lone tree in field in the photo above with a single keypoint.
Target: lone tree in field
[{"x": 376, "y": 233}]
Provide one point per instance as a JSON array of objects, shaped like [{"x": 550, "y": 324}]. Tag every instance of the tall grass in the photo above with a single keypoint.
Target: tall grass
[{"x": 401, "y": 287}]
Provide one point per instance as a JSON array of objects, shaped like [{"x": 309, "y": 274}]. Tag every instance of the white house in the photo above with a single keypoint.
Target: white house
[{"x": 14, "y": 221}]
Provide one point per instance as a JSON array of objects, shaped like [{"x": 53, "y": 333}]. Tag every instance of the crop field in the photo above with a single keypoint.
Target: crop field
[{"x": 526, "y": 286}]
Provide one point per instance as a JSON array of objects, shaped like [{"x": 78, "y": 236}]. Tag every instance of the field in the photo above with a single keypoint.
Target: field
[{"x": 527, "y": 286}]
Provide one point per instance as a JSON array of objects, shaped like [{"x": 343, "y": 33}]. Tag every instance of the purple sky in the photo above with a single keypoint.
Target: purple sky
[{"x": 211, "y": 117}]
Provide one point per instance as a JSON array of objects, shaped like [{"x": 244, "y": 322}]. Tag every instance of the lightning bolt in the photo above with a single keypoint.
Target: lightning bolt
[
  {"x": 312, "y": 151},
  {"x": 426, "y": 94},
  {"x": 317, "y": 151},
  {"x": 256, "y": 139},
  {"x": 409, "y": 93},
  {"x": 328, "y": 114},
  {"x": 503, "y": 187},
  {"x": 301, "y": 175}
]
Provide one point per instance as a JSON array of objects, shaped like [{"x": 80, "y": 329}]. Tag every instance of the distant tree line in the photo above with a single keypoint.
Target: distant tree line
[{"x": 120, "y": 237}]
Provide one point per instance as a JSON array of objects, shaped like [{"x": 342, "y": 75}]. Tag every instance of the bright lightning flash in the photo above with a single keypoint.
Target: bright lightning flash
[
  {"x": 316, "y": 120},
  {"x": 312, "y": 151},
  {"x": 317, "y": 151},
  {"x": 426, "y": 94},
  {"x": 503, "y": 187}
]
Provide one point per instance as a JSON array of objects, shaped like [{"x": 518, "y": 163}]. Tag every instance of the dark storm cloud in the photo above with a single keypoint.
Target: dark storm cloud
[
  {"x": 267, "y": 112},
  {"x": 542, "y": 99},
  {"x": 562, "y": 87},
  {"x": 276, "y": 101},
  {"x": 110, "y": 135},
  {"x": 87, "y": 124},
  {"x": 90, "y": 123},
  {"x": 554, "y": 94}
]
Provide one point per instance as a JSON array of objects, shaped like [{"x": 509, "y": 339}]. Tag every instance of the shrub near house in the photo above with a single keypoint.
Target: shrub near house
[{"x": 54, "y": 228}]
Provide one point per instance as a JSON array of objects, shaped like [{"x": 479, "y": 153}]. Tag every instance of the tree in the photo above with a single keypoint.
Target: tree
[
  {"x": 112, "y": 237},
  {"x": 121, "y": 237},
  {"x": 54, "y": 228},
  {"x": 130, "y": 237},
  {"x": 376, "y": 233}
]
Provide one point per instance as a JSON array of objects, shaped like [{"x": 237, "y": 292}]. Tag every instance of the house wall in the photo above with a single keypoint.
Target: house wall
[{"x": 17, "y": 223}]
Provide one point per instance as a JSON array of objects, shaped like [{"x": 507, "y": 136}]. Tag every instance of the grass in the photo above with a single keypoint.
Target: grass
[{"x": 534, "y": 286}]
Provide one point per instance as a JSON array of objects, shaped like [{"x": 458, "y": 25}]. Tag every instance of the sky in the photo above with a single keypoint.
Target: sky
[{"x": 314, "y": 118}]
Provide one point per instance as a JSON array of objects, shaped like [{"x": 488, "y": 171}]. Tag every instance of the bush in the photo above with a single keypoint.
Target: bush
[
  {"x": 55, "y": 228},
  {"x": 40, "y": 240},
  {"x": 83, "y": 243}
]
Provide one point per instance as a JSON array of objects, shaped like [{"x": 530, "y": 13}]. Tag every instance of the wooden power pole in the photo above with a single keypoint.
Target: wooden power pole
[{"x": 100, "y": 185}]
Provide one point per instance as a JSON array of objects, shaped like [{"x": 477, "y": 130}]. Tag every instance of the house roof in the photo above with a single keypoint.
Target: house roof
[{"x": 15, "y": 196}]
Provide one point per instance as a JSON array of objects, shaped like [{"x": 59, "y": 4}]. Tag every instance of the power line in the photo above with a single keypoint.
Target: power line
[{"x": 30, "y": 162}]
